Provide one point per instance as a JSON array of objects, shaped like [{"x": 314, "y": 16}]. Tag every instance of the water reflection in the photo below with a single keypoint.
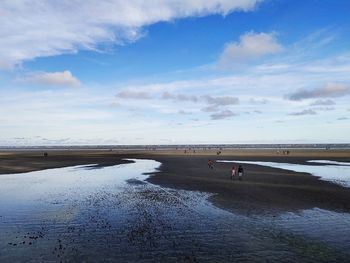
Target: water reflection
[{"x": 81, "y": 214}]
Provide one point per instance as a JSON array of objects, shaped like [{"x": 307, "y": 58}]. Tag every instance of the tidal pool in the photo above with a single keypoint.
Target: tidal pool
[
  {"x": 111, "y": 214},
  {"x": 332, "y": 171}
]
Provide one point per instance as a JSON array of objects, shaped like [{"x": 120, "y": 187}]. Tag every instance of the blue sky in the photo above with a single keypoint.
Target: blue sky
[{"x": 167, "y": 72}]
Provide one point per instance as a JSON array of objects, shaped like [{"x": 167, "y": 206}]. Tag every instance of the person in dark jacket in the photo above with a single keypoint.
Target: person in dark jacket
[{"x": 240, "y": 172}]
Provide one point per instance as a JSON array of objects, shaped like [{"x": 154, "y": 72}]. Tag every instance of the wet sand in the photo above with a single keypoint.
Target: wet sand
[{"x": 263, "y": 190}]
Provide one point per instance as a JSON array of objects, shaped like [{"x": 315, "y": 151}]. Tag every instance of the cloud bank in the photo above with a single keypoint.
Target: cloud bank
[{"x": 38, "y": 28}]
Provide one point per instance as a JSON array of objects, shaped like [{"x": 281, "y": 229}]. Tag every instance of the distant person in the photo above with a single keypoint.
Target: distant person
[
  {"x": 240, "y": 172},
  {"x": 210, "y": 164},
  {"x": 233, "y": 172}
]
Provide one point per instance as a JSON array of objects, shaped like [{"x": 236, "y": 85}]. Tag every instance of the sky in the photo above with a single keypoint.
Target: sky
[{"x": 87, "y": 72}]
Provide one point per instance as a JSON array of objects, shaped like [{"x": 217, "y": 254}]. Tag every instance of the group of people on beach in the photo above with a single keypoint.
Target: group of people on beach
[{"x": 234, "y": 171}]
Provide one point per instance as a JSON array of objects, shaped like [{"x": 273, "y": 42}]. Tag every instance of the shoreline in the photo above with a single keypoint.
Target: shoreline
[{"x": 264, "y": 190}]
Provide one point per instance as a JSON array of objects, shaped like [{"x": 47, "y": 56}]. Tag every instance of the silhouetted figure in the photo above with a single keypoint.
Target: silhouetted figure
[
  {"x": 46, "y": 154},
  {"x": 240, "y": 172}
]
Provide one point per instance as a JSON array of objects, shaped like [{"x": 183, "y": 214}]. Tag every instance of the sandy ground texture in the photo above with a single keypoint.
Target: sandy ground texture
[{"x": 263, "y": 190}]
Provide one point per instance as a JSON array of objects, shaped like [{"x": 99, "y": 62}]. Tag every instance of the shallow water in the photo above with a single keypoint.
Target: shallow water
[
  {"x": 332, "y": 171},
  {"x": 81, "y": 214},
  {"x": 328, "y": 162}
]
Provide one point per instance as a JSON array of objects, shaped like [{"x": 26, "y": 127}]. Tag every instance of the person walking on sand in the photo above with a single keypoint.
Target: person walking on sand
[
  {"x": 210, "y": 164},
  {"x": 233, "y": 172},
  {"x": 240, "y": 172}
]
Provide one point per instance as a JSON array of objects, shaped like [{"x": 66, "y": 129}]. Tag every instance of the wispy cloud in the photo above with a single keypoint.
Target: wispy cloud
[
  {"x": 212, "y": 100},
  {"x": 322, "y": 103},
  {"x": 47, "y": 28},
  {"x": 129, "y": 94},
  {"x": 222, "y": 115},
  {"x": 250, "y": 46},
  {"x": 323, "y": 108},
  {"x": 331, "y": 90},
  {"x": 342, "y": 118},
  {"x": 303, "y": 112},
  {"x": 258, "y": 101},
  {"x": 222, "y": 100},
  {"x": 183, "y": 112},
  {"x": 179, "y": 97},
  {"x": 211, "y": 108},
  {"x": 64, "y": 78},
  {"x": 208, "y": 103}
]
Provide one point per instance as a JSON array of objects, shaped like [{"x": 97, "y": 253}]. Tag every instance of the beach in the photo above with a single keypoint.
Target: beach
[
  {"x": 263, "y": 190},
  {"x": 155, "y": 205}
]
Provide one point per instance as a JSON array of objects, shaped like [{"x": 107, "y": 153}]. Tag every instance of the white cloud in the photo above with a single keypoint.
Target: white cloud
[
  {"x": 64, "y": 78},
  {"x": 250, "y": 46},
  {"x": 37, "y": 28}
]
